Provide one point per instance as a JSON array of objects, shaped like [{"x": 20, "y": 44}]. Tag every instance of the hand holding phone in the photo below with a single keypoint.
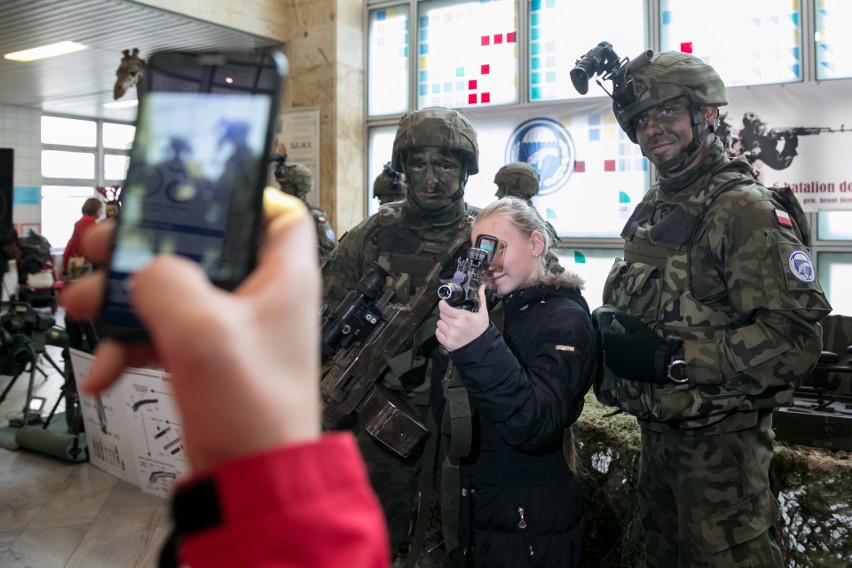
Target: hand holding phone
[
  {"x": 197, "y": 172},
  {"x": 234, "y": 362}
]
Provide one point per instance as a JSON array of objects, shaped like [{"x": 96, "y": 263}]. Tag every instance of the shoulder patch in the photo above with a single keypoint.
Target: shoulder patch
[
  {"x": 801, "y": 266},
  {"x": 783, "y": 218}
]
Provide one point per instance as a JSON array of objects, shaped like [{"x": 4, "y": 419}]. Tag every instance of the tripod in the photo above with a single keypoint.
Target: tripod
[
  {"x": 25, "y": 355},
  {"x": 22, "y": 356}
]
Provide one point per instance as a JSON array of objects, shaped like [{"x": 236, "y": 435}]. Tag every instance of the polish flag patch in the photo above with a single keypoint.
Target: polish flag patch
[{"x": 783, "y": 218}]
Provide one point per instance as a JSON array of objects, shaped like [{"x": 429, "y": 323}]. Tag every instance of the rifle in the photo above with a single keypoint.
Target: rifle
[
  {"x": 806, "y": 130},
  {"x": 463, "y": 290},
  {"x": 350, "y": 382}
]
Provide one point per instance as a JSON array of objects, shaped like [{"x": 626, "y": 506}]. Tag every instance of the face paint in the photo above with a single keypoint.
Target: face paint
[{"x": 434, "y": 176}]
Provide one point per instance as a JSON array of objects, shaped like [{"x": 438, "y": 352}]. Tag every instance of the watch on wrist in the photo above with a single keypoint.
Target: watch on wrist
[{"x": 677, "y": 371}]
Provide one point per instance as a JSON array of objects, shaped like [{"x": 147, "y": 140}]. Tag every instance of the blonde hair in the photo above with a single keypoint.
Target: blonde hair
[{"x": 523, "y": 216}]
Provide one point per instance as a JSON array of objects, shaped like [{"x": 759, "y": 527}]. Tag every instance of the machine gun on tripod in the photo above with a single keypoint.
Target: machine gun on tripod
[
  {"x": 24, "y": 335},
  {"x": 821, "y": 414}
]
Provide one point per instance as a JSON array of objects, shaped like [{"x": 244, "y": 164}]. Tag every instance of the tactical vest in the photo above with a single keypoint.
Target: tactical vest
[
  {"x": 409, "y": 255},
  {"x": 660, "y": 281}
]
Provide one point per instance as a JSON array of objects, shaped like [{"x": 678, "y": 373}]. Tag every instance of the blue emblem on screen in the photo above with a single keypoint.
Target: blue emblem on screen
[{"x": 547, "y": 146}]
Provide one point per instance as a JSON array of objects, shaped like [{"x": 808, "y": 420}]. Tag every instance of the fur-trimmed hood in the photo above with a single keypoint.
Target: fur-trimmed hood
[
  {"x": 567, "y": 285},
  {"x": 563, "y": 280}
]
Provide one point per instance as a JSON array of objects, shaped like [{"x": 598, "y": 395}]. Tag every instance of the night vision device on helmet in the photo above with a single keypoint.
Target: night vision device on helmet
[
  {"x": 649, "y": 79},
  {"x": 436, "y": 127},
  {"x": 389, "y": 184},
  {"x": 296, "y": 179}
]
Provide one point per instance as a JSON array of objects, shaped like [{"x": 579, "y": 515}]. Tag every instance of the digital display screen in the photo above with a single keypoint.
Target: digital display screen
[{"x": 191, "y": 189}]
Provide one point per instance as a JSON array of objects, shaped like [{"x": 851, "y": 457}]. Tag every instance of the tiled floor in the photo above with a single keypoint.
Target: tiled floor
[{"x": 58, "y": 514}]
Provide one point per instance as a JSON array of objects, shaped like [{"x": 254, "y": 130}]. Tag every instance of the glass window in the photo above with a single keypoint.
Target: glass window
[
  {"x": 592, "y": 176},
  {"x": 835, "y": 273},
  {"x": 68, "y": 131},
  {"x": 67, "y": 165},
  {"x": 834, "y": 225},
  {"x": 387, "y": 61},
  {"x": 60, "y": 209},
  {"x": 592, "y": 265},
  {"x": 467, "y": 53},
  {"x": 832, "y": 39},
  {"x": 118, "y": 136},
  {"x": 560, "y": 33},
  {"x": 379, "y": 147},
  {"x": 761, "y": 41},
  {"x": 115, "y": 167}
]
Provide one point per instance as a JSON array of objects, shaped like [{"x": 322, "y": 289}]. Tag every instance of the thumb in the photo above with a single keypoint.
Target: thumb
[
  {"x": 281, "y": 210},
  {"x": 481, "y": 293}
]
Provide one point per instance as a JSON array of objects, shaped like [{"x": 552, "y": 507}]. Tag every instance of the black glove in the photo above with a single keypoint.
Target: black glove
[{"x": 638, "y": 353}]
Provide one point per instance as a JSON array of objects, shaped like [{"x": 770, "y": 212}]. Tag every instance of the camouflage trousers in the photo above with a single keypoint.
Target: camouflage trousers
[
  {"x": 704, "y": 499},
  {"x": 397, "y": 484}
]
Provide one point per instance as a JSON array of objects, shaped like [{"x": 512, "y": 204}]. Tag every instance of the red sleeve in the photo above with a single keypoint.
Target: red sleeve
[{"x": 308, "y": 505}]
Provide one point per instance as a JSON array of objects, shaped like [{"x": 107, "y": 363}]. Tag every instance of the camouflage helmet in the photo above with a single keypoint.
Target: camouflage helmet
[
  {"x": 437, "y": 127},
  {"x": 651, "y": 79},
  {"x": 517, "y": 178},
  {"x": 298, "y": 176}
]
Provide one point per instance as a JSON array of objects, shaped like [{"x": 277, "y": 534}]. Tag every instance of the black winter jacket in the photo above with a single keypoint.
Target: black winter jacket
[{"x": 520, "y": 503}]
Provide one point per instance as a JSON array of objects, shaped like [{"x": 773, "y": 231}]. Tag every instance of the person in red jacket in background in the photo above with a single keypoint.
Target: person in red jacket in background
[
  {"x": 91, "y": 211},
  {"x": 267, "y": 487}
]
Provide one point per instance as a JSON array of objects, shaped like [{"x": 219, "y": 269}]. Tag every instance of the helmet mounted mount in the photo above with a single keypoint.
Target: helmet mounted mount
[{"x": 650, "y": 79}]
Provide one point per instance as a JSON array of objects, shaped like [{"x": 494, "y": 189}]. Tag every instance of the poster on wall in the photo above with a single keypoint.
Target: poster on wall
[
  {"x": 591, "y": 174},
  {"x": 799, "y": 135},
  {"x": 297, "y": 134},
  {"x": 133, "y": 430}
]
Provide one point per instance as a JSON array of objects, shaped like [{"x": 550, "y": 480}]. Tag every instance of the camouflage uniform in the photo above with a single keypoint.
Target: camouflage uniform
[
  {"x": 297, "y": 180},
  {"x": 521, "y": 180},
  {"x": 389, "y": 185},
  {"x": 407, "y": 240},
  {"x": 712, "y": 260}
]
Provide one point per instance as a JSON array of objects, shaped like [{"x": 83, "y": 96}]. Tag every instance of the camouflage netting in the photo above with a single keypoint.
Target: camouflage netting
[{"x": 814, "y": 488}]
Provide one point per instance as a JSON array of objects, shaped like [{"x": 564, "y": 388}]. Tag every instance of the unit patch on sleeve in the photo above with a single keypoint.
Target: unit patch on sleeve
[{"x": 801, "y": 266}]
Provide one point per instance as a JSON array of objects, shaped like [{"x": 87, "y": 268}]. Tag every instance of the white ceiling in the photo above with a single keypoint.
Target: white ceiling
[{"x": 78, "y": 84}]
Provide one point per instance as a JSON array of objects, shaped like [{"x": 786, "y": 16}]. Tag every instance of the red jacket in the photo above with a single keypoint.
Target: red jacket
[
  {"x": 309, "y": 505},
  {"x": 75, "y": 243}
]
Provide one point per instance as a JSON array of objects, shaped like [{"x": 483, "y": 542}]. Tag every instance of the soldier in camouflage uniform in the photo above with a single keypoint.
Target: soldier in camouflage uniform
[
  {"x": 521, "y": 180},
  {"x": 297, "y": 180},
  {"x": 389, "y": 185},
  {"x": 436, "y": 149},
  {"x": 708, "y": 320}
]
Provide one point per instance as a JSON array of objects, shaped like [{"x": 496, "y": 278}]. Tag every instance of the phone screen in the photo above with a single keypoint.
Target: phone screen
[{"x": 195, "y": 181}]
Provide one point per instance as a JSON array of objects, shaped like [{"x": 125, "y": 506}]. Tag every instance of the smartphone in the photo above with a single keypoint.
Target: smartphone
[{"x": 197, "y": 171}]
